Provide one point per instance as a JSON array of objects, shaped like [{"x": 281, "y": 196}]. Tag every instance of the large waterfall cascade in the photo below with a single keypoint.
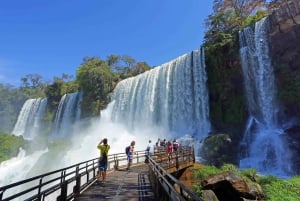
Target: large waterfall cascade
[
  {"x": 266, "y": 150},
  {"x": 29, "y": 119},
  {"x": 67, "y": 114},
  {"x": 172, "y": 96},
  {"x": 169, "y": 101}
]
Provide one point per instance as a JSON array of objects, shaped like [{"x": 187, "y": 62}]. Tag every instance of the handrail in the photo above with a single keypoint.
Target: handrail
[
  {"x": 166, "y": 179},
  {"x": 66, "y": 183},
  {"x": 70, "y": 180}
]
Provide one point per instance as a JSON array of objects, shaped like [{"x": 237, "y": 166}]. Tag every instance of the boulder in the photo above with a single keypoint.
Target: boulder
[{"x": 229, "y": 186}]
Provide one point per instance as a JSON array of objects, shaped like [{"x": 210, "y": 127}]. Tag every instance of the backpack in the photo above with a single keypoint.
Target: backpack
[
  {"x": 127, "y": 150},
  {"x": 175, "y": 146}
]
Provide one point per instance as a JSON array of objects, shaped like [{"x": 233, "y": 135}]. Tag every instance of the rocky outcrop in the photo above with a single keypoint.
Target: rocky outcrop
[
  {"x": 229, "y": 186},
  {"x": 285, "y": 52},
  {"x": 216, "y": 149},
  {"x": 284, "y": 35},
  {"x": 293, "y": 139}
]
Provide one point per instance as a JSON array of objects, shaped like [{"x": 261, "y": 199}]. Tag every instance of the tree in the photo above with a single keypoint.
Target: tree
[
  {"x": 113, "y": 62},
  {"x": 231, "y": 16},
  {"x": 139, "y": 68},
  {"x": 96, "y": 81}
]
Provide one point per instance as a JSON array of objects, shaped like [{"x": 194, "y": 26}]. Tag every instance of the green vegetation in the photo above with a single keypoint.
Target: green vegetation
[
  {"x": 274, "y": 189},
  {"x": 228, "y": 108},
  {"x": 96, "y": 78},
  {"x": 9, "y": 145},
  {"x": 288, "y": 88}
]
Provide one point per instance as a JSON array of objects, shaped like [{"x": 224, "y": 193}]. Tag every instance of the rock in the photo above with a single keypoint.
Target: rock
[
  {"x": 216, "y": 149},
  {"x": 209, "y": 195},
  {"x": 229, "y": 186}
]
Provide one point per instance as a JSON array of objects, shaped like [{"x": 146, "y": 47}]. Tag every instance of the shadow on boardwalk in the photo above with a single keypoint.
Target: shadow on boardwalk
[{"x": 122, "y": 185}]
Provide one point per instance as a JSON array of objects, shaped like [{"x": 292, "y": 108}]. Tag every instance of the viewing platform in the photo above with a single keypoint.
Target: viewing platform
[{"x": 155, "y": 180}]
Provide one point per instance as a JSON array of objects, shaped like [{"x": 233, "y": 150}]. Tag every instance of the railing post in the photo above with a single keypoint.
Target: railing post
[
  {"x": 63, "y": 187},
  {"x": 193, "y": 154},
  {"x": 177, "y": 161},
  {"x": 76, "y": 189},
  {"x": 39, "y": 197},
  {"x": 116, "y": 166},
  {"x": 87, "y": 173},
  {"x": 64, "y": 190}
]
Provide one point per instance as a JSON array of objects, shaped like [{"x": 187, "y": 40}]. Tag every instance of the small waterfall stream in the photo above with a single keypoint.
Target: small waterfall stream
[
  {"x": 67, "y": 114},
  {"x": 29, "y": 119},
  {"x": 263, "y": 144}
]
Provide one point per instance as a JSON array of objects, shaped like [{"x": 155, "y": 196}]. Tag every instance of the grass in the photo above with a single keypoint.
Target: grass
[{"x": 274, "y": 188}]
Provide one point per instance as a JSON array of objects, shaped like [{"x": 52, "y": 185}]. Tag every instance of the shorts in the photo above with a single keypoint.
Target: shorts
[
  {"x": 130, "y": 157},
  {"x": 102, "y": 166}
]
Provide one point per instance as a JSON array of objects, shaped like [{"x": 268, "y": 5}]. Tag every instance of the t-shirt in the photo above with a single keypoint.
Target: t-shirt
[
  {"x": 170, "y": 148},
  {"x": 103, "y": 149},
  {"x": 150, "y": 148}
]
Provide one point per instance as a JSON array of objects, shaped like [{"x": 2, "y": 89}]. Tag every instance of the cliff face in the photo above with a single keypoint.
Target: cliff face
[
  {"x": 285, "y": 51},
  {"x": 228, "y": 109}
]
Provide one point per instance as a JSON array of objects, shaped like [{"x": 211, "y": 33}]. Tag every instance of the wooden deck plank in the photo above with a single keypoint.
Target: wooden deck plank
[{"x": 130, "y": 185}]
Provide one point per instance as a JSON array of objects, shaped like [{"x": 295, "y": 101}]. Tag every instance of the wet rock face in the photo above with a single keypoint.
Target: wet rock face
[
  {"x": 216, "y": 149},
  {"x": 285, "y": 52},
  {"x": 285, "y": 33},
  {"x": 292, "y": 136}
]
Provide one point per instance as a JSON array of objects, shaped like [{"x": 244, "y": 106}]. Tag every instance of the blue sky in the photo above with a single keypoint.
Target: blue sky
[{"x": 51, "y": 37}]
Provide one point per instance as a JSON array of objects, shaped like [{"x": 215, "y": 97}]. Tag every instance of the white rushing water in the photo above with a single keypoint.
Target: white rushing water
[
  {"x": 169, "y": 101},
  {"x": 28, "y": 123},
  {"x": 172, "y": 96},
  {"x": 16, "y": 168},
  {"x": 266, "y": 150},
  {"x": 67, "y": 114}
]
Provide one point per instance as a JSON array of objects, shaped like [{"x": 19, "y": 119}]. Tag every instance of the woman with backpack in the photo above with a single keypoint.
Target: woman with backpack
[
  {"x": 102, "y": 165},
  {"x": 130, "y": 153}
]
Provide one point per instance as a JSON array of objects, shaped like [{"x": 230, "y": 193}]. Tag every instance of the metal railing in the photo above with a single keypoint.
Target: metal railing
[
  {"x": 65, "y": 183},
  {"x": 173, "y": 188}
]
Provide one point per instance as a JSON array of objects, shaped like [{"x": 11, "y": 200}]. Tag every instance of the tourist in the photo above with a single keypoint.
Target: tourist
[
  {"x": 169, "y": 151},
  {"x": 130, "y": 154},
  {"x": 102, "y": 165},
  {"x": 175, "y": 145},
  {"x": 149, "y": 151}
]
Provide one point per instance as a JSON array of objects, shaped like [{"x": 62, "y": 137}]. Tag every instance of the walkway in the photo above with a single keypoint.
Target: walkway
[{"x": 122, "y": 185}]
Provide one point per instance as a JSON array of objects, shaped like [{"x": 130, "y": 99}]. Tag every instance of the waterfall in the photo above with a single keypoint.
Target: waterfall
[
  {"x": 172, "y": 96},
  {"x": 67, "y": 114},
  {"x": 170, "y": 100},
  {"x": 28, "y": 123},
  {"x": 265, "y": 149}
]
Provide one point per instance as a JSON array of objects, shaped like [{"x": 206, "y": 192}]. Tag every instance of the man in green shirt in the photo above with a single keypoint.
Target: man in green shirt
[{"x": 104, "y": 148}]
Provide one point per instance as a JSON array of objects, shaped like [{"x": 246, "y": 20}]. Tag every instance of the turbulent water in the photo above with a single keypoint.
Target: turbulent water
[
  {"x": 29, "y": 120},
  {"x": 169, "y": 101},
  {"x": 172, "y": 96},
  {"x": 265, "y": 149},
  {"x": 67, "y": 114}
]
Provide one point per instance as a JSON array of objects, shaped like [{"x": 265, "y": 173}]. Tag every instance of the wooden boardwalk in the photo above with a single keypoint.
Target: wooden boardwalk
[{"x": 121, "y": 185}]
